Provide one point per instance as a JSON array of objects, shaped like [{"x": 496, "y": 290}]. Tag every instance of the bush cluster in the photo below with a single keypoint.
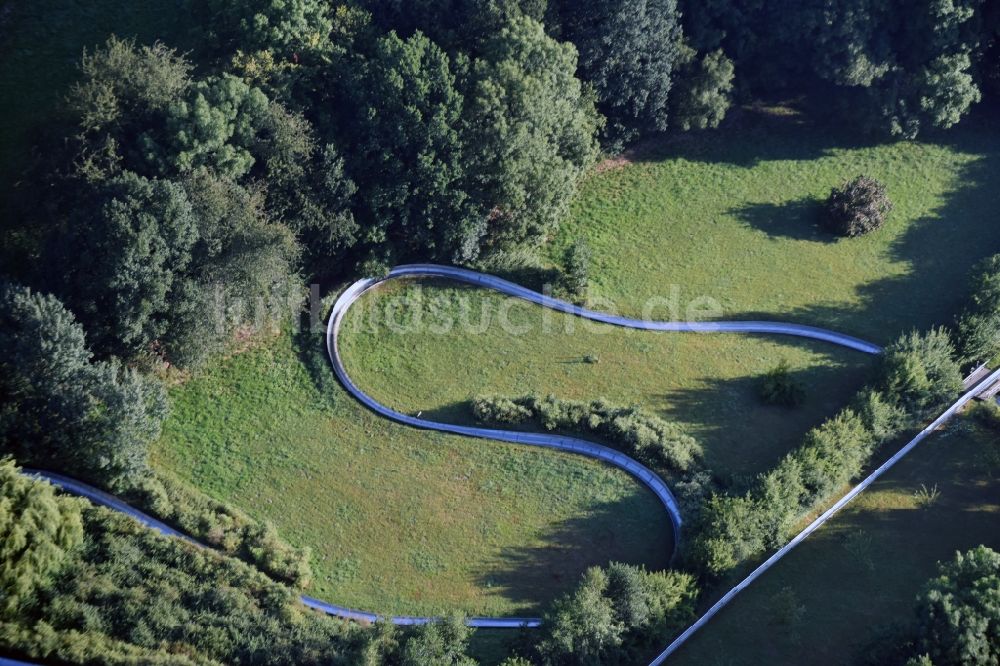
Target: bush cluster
[
  {"x": 644, "y": 436},
  {"x": 615, "y": 615},
  {"x": 916, "y": 373},
  {"x": 226, "y": 528},
  {"x": 987, "y": 413},
  {"x": 119, "y": 593}
]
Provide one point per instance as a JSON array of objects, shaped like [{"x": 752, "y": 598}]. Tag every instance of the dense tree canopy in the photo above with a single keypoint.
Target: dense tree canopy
[
  {"x": 896, "y": 67},
  {"x": 959, "y": 611},
  {"x": 409, "y": 150},
  {"x": 62, "y": 410},
  {"x": 628, "y": 52},
  {"x": 530, "y": 129}
]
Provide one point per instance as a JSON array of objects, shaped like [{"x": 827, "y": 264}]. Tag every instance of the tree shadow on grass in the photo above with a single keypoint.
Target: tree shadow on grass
[
  {"x": 939, "y": 249},
  {"x": 310, "y": 346},
  {"x": 799, "y": 219},
  {"x": 751, "y": 135},
  {"x": 625, "y": 530},
  {"x": 742, "y": 436}
]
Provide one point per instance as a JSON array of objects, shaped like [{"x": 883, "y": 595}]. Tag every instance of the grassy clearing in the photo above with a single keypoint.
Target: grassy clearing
[
  {"x": 733, "y": 216},
  {"x": 396, "y": 348},
  {"x": 400, "y": 521},
  {"x": 860, "y": 573}
]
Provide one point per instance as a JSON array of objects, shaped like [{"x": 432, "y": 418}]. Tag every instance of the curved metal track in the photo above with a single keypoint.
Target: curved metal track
[{"x": 569, "y": 444}]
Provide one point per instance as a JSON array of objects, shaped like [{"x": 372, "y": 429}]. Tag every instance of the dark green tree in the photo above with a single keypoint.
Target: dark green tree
[
  {"x": 702, "y": 89},
  {"x": 125, "y": 258},
  {"x": 407, "y": 154},
  {"x": 291, "y": 30},
  {"x": 63, "y": 411},
  {"x": 529, "y": 132},
  {"x": 218, "y": 122},
  {"x": 218, "y": 125},
  {"x": 959, "y": 611},
  {"x": 125, "y": 92},
  {"x": 628, "y": 53}
]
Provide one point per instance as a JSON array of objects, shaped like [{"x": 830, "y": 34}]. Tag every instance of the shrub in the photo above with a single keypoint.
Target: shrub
[
  {"x": 858, "y": 207},
  {"x": 919, "y": 371},
  {"x": 576, "y": 278},
  {"x": 778, "y": 387},
  {"x": 834, "y": 453},
  {"x": 978, "y": 327},
  {"x": 224, "y": 527},
  {"x": 647, "y": 437},
  {"x": 500, "y": 410},
  {"x": 882, "y": 417}
]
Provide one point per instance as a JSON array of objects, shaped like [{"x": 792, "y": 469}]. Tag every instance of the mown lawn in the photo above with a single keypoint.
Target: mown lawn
[
  {"x": 400, "y": 521},
  {"x": 430, "y": 346},
  {"x": 733, "y": 216},
  {"x": 840, "y": 590}
]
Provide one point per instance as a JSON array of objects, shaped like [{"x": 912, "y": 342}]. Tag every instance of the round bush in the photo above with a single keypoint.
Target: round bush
[{"x": 858, "y": 207}]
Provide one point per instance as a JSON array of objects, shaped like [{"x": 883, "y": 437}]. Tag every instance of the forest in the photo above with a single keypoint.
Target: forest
[{"x": 183, "y": 196}]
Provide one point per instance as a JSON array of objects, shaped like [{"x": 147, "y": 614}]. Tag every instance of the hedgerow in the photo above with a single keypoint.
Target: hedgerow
[
  {"x": 915, "y": 375},
  {"x": 646, "y": 437}
]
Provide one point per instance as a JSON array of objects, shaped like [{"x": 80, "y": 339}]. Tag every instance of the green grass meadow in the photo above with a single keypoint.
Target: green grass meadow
[
  {"x": 399, "y": 520},
  {"x": 408, "y": 346},
  {"x": 851, "y": 581},
  {"x": 391, "y": 512},
  {"x": 734, "y": 216}
]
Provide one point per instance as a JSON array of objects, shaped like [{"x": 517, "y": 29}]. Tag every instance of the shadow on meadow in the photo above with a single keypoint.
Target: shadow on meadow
[
  {"x": 751, "y": 135},
  {"x": 574, "y": 545},
  {"x": 940, "y": 249},
  {"x": 799, "y": 219},
  {"x": 762, "y": 433}
]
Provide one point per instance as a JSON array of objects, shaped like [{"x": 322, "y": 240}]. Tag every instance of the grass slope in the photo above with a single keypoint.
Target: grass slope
[
  {"x": 397, "y": 349},
  {"x": 733, "y": 216},
  {"x": 401, "y": 521},
  {"x": 860, "y": 574}
]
